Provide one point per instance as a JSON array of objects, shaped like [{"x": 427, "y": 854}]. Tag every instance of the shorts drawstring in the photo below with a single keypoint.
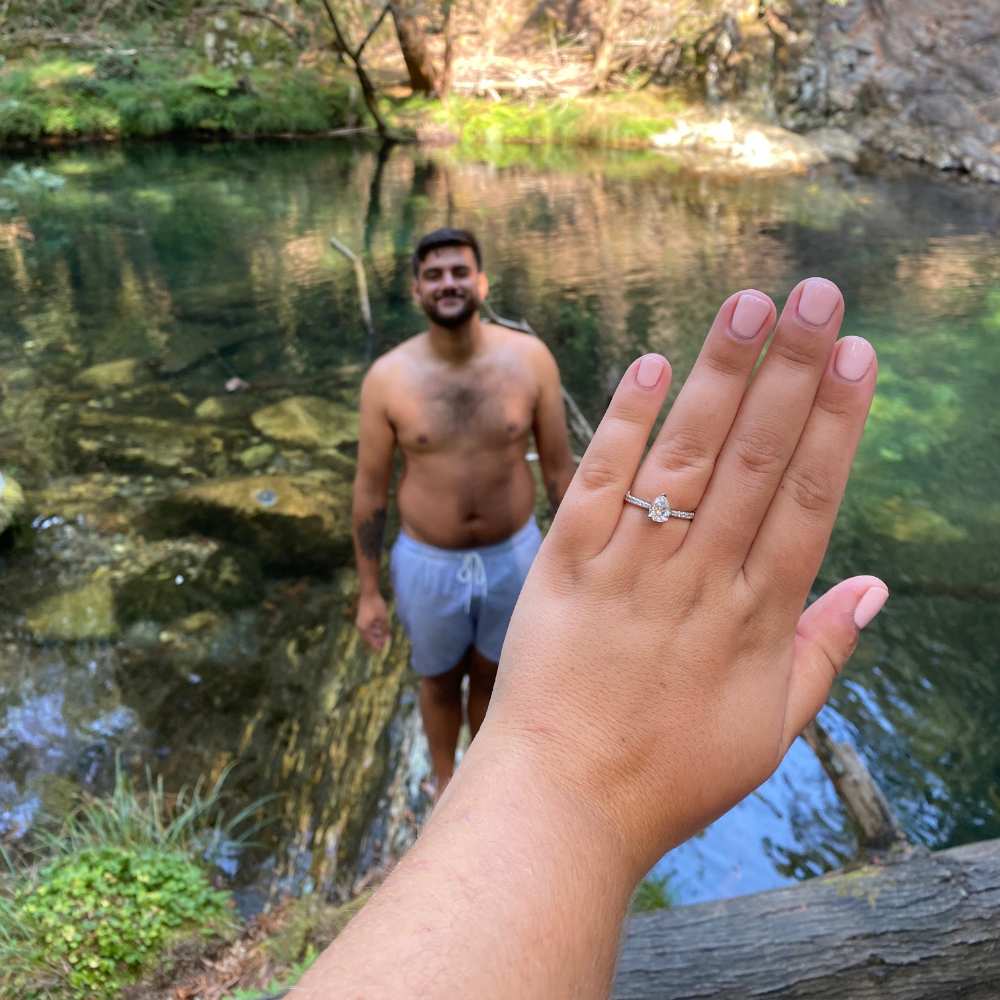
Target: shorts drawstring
[{"x": 473, "y": 573}]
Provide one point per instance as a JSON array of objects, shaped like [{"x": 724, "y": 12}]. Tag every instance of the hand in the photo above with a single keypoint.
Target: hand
[
  {"x": 659, "y": 672},
  {"x": 372, "y": 620}
]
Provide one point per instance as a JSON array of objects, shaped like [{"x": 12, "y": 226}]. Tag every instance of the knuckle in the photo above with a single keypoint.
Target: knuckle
[
  {"x": 598, "y": 474},
  {"x": 811, "y": 487},
  {"x": 835, "y": 402},
  {"x": 760, "y": 451},
  {"x": 719, "y": 363},
  {"x": 802, "y": 352},
  {"x": 684, "y": 451}
]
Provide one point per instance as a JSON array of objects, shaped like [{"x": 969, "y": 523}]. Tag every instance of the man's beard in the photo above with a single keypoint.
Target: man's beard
[{"x": 453, "y": 320}]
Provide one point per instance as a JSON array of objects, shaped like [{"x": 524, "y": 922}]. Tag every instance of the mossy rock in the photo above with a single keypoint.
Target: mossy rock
[
  {"x": 85, "y": 613},
  {"x": 12, "y": 505},
  {"x": 113, "y": 374},
  {"x": 298, "y": 524},
  {"x": 309, "y": 421},
  {"x": 181, "y": 585}
]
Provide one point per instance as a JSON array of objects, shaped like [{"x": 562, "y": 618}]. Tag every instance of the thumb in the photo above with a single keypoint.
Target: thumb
[{"x": 825, "y": 637}]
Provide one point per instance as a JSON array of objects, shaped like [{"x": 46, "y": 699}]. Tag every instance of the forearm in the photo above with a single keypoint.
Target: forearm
[
  {"x": 464, "y": 912},
  {"x": 368, "y": 516},
  {"x": 557, "y": 475}
]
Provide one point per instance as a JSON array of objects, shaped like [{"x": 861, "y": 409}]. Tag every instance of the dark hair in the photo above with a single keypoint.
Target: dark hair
[{"x": 446, "y": 238}]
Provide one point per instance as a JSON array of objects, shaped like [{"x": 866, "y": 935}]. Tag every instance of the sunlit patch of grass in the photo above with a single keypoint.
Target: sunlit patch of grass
[
  {"x": 616, "y": 121},
  {"x": 53, "y": 72}
]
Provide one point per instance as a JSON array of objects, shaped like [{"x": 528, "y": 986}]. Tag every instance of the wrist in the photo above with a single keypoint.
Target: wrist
[{"x": 503, "y": 785}]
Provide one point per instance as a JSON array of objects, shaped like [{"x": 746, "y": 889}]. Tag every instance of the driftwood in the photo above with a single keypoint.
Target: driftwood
[
  {"x": 362, "y": 281},
  {"x": 923, "y": 928}
]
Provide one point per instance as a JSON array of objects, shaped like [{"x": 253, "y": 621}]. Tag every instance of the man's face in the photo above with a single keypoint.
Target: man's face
[{"x": 449, "y": 287}]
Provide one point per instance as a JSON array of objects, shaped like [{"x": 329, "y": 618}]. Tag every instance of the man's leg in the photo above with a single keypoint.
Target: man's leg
[
  {"x": 482, "y": 674},
  {"x": 441, "y": 711}
]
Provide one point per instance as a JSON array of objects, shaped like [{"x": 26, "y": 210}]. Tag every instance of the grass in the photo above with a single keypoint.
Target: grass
[
  {"x": 610, "y": 121},
  {"x": 103, "y": 900},
  {"x": 59, "y": 98}
]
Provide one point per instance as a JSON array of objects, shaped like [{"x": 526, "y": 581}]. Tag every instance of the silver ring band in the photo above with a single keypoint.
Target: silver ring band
[{"x": 659, "y": 509}]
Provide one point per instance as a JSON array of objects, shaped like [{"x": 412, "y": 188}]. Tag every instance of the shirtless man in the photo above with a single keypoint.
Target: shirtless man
[{"x": 461, "y": 402}]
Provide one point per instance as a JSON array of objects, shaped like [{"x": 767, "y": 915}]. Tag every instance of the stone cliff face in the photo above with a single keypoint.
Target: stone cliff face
[{"x": 916, "y": 79}]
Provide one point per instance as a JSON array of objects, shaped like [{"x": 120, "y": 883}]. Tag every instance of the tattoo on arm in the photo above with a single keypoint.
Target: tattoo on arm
[
  {"x": 371, "y": 533},
  {"x": 551, "y": 487}
]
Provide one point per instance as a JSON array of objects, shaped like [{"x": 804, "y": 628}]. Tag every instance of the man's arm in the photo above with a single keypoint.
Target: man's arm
[
  {"x": 549, "y": 426},
  {"x": 376, "y": 441}
]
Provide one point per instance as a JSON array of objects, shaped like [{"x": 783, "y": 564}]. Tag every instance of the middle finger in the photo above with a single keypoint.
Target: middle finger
[{"x": 770, "y": 422}]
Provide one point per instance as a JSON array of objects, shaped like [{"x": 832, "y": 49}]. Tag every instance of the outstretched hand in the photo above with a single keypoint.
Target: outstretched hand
[
  {"x": 653, "y": 674},
  {"x": 660, "y": 671}
]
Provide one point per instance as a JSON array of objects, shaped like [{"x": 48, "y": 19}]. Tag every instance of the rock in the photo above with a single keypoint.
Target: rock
[
  {"x": 256, "y": 455},
  {"x": 113, "y": 374},
  {"x": 292, "y": 523},
  {"x": 710, "y": 141},
  {"x": 915, "y": 79},
  {"x": 85, "y": 613},
  {"x": 223, "y": 407},
  {"x": 151, "y": 444},
  {"x": 182, "y": 585},
  {"x": 837, "y": 144},
  {"x": 309, "y": 421},
  {"x": 11, "y": 502}
]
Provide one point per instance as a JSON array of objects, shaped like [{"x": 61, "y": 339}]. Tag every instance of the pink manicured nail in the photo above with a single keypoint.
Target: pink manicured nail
[
  {"x": 649, "y": 371},
  {"x": 870, "y": 605},
  {"x": 854, "y": 357},
  {"x": 749, "y": 316},
  {"x": 818, "y": 300}
]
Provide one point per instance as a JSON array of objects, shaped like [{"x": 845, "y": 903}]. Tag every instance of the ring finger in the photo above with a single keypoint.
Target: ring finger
[{"x": 680, "y": 462}]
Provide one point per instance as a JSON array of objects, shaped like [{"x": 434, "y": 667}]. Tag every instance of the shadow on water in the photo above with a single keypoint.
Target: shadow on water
[{"x": 185, "y": 593}]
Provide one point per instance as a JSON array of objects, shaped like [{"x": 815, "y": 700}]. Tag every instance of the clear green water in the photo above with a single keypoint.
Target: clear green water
[{"x": 212, "y": 261}]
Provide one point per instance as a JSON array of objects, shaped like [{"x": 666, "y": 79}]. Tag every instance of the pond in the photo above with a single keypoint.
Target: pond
[{"x": 195, "y": 266}]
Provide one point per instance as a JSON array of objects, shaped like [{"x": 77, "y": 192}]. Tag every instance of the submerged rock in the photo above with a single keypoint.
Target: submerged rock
[
  {"x": 149, "y": 443},
  {"x": 113, "y": 374},
  {"x": 292, "y": 523},
  {"x": 182, "y": 585},
  {"x": 309, "y": 421},
  {"x": 85, "y": 613},
  {"x": 11, "y": 502}
]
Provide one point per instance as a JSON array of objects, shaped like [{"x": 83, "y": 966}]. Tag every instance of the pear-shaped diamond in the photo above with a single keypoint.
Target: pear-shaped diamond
[{"x": 659, "y": 509}]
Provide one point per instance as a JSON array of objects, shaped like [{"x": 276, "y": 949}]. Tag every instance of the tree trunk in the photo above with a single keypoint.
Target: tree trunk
[
  {"x": 413, "y": 45},
  {"x": 606, "y": 44},
  {"x": 923, "y": 928}
]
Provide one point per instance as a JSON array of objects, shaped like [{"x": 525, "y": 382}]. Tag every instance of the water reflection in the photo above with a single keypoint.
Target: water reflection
[{"x": 201, "y": 264}]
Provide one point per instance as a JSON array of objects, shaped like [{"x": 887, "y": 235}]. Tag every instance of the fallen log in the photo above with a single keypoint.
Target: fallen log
[{"x": 926, "y": 927}]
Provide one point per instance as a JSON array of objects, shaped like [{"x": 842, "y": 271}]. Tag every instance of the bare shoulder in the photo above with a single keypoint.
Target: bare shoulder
[
  {"x": 389, "y": 369},
  {"x": 528, "y": 349}
]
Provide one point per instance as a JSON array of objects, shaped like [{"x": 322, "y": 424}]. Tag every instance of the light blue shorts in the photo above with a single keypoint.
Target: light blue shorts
[{"x": 450, "y": 599}]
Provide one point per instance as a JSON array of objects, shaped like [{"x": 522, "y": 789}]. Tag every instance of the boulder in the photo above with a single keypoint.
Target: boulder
[
  {"x": 297, "y": 524},
  {"x": 310, "y": 421}
]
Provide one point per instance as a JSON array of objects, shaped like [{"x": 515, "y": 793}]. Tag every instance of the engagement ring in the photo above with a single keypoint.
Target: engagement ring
[{"x": 659, "y": 510}]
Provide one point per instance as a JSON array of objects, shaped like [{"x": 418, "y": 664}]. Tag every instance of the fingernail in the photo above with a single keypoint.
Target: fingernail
[
  {"x": 871, "y": 603},
  {"x": 818, "y": 300},
  {"x": 854, "y": 357},
  {"x": 749, "y": 316},
  {"x": 649, "y": 371}
]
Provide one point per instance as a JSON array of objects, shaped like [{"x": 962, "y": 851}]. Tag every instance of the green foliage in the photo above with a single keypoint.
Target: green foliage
[
  {"x": 122, "y": 880},
  {"x": 602, "y": 122},
  {"x": 280, "y": 984},
  {"x": 653, "y": 894},
  {"x": 90, "y": 923},
  {"x": 68, "y": 99}
]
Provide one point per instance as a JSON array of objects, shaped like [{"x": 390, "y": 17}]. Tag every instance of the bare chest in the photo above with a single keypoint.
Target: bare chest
[{"x": 487, "y": 409}]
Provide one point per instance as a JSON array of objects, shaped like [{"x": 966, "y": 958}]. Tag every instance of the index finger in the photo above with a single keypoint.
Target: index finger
[{"x": 589, "y": 512}]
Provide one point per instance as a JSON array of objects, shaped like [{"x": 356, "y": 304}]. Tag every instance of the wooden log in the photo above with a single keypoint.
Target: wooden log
[{"x": 926, "y": 927}]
